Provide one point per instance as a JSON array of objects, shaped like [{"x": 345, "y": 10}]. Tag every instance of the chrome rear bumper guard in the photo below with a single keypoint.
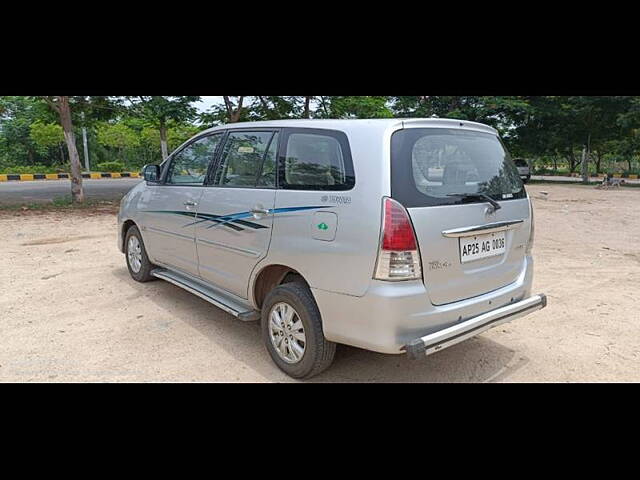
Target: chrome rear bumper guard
[{"x": 447, "y": 337}]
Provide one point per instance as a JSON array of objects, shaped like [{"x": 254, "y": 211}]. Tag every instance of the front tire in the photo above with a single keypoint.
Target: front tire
[
  {"x": 292, "y": 332},
  {"x": 137, "y": 260}
]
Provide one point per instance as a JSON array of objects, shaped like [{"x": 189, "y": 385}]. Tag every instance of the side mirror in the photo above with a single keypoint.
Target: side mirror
[{"x": 151, "y": 173}]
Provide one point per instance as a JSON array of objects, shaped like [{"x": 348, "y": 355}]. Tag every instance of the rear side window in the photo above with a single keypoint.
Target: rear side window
[
  {"x": 242, "y": 160},
  {"x": 437, "y": 166},
  {"x": 316, "y": 160}
]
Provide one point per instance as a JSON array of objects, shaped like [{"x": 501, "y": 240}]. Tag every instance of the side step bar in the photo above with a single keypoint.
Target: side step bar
[
  {"x": 213, "y": 296},
  {"x": 447, "y": 337}
]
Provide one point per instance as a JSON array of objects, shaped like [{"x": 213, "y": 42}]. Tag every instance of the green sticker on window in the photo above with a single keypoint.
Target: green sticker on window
[{"x": 323, "y": 226}]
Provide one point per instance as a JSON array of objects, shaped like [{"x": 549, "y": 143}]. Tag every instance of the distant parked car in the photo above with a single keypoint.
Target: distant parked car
[{"x": 523, "y": 169}]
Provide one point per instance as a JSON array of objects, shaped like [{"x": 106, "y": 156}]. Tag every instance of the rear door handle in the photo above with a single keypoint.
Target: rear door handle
[
  {"x": 190, "y": 204},
  {"x": 260, "y": 211}
]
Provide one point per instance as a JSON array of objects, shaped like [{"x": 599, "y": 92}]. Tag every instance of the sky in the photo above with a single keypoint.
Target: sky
[{"x": 207, "y": 102}]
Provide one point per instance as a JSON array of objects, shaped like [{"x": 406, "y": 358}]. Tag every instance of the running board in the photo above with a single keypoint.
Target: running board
[{"x": 211, "y": 295}]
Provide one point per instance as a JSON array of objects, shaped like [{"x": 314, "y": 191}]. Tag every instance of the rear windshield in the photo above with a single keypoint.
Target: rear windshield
[{"x": 429, "y": 165}]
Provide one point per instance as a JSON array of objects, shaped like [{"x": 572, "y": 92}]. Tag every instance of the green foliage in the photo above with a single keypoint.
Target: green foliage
[
  {"x": 46, "y": 135},
  {"x": 550, "y": 131},
  {"x": 354, "y": 107},
  {"x": 158, "y": 111},
  {"x": 117, "y": 135},
  {"x": 179, "y": 134},
  {"x": 109, "y": 167}
]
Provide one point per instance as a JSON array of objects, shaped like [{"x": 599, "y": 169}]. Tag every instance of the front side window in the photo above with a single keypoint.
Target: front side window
[
  {"x": 242, "y": 159},
  {"x": 189, "y": 166},
  {"x": 429, "y": 166},
  {"x": 317, "y": 161}
]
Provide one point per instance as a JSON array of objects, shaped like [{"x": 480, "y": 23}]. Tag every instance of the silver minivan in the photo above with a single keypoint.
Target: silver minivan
[{"x": 401, "y": 236}]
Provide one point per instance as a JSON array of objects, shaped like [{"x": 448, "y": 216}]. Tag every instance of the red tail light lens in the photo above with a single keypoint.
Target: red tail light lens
[
  {"x": 398, "y": 233},
  {"x": 398, "y": 257}
]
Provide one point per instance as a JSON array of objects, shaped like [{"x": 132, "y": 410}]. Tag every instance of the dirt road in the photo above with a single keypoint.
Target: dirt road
[{"x": 70, "y": 312}]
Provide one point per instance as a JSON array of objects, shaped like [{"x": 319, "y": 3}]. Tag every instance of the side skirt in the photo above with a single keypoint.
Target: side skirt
[{"x": 210, "y": 294}]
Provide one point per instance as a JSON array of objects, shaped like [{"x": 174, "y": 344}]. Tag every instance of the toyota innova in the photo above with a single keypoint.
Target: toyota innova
[{"x": 401, "y": 236}]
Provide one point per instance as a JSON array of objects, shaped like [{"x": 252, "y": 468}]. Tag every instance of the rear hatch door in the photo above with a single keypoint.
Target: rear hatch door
[{"x": 451, "y": 180}]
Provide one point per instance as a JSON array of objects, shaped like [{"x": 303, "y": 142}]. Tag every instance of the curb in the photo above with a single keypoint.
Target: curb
[{"x": 7, "y": 177}]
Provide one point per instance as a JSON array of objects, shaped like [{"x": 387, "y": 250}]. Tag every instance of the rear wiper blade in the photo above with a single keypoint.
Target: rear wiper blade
[{"x": 482, "y": 196}]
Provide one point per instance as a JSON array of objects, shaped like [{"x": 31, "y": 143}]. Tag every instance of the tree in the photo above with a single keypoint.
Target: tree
[
  {"x": 232, "y": 110},
  {"x": 18, "y": 114},
  {"x": 162, "y": 111},
  {"x": 118, "y": 136},
  {"x": 274, "y": 108},
  {"x": 61, "y": 106},
  {"x": 354, "y": 107},
  {"x": 47, "y": 136}
]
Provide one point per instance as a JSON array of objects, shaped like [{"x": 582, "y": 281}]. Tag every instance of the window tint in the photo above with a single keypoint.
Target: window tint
[
  {"x": 242, "y": 158},
  {"x": 316, "y": 161},
  {"x": 189, "y": 166},
  {"x": 430, "y": 165}
]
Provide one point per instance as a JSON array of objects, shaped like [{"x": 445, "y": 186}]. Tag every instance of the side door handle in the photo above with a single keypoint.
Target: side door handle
[
  {"x": 260, "y": 211},
  {"x": 190, "y": 204}
]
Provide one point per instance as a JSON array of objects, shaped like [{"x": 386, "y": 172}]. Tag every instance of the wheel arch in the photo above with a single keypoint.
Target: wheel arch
[
  {"x": 269, "y": 277},
  {"x": 126, "y": 225}
]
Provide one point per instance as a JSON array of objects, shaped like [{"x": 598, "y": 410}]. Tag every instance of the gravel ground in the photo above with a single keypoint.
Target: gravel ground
[{"x": 69, "y": 311}]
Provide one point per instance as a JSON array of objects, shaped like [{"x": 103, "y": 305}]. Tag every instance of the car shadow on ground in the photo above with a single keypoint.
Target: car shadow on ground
[{"x": 476, "y": 360}]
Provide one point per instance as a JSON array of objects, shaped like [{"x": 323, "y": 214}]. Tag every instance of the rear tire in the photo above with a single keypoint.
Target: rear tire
[
  {"x": 299, "y": 316},
  {"x": 137, "y": 260}
]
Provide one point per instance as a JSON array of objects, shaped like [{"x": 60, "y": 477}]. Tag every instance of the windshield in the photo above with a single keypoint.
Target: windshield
[{"x": 431, "y": 164}]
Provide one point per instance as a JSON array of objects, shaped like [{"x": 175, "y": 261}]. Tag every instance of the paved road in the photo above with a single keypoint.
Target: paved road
[{"x": 42, "y": 191}]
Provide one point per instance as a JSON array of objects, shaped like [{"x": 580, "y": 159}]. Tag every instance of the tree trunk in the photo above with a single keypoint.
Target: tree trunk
[
  {"x": 307, "y": 102},
  {"x": 64, "y": 110},
  {"x": 235, "y": 117},
  {"x": 573, "y": 162},
  {"x": 163, "y": 140},
  {"x": 233, "y": 114},
  {"x": 598, "y": 161},
  {"x": 585, "y": 161}
]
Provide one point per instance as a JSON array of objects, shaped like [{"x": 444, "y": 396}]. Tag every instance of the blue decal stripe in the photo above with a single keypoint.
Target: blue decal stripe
[
  {"x": 229, "y": 220},
  {"x": 296, "y": 209}
]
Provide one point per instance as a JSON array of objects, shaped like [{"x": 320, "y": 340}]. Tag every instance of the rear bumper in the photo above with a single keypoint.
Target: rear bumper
[
  {"x": 392, "y": 315},
  {"x": 442, "y": 339}
]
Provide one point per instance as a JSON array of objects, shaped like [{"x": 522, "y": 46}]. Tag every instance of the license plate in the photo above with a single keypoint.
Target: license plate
[{"x": 482, "y": 246}]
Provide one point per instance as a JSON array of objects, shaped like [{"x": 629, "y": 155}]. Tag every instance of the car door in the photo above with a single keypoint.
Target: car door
[
  {"x": 169, "y": 213},
  {"x": 235, "y": 214}
]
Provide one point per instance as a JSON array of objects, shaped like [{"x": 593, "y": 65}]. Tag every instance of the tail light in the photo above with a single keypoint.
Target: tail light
[
  {"x": 531, "y": 232},
  {"x": 398, "y": 256}
]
